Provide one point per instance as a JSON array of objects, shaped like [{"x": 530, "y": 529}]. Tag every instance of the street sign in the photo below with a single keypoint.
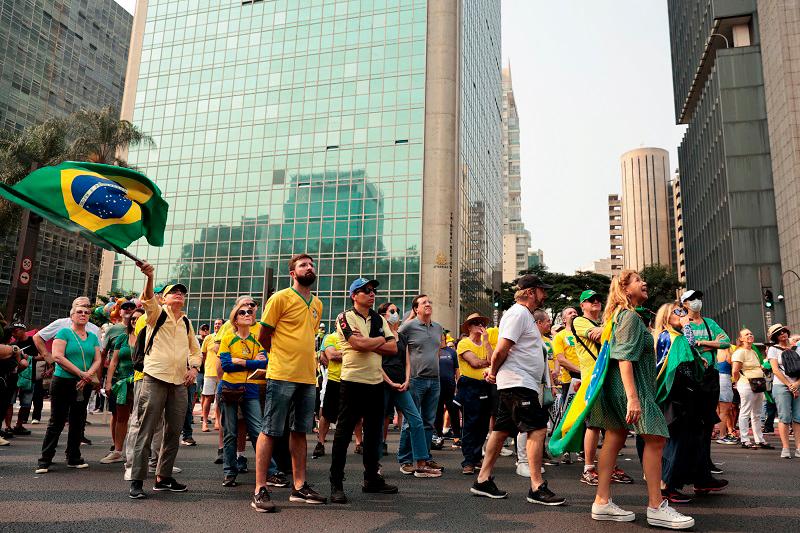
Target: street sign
[
  {"x": 27, "y": 264},
  {"x": 24, "y": 278}
]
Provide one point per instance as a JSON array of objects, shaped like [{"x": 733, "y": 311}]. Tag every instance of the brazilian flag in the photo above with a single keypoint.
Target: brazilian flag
[
  {"x": 110, "y": 206},
  {"x": 568, "y": 435}
]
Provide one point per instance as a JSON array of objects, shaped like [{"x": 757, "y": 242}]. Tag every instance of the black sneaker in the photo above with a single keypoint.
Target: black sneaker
[
  {"x": 716, "y": 470},
  {"x": 85, "y": 441},
  {"x": 307, "y": 495},
  {"x": 188, "y": 441},
  {"x": 261, "y": 502},
  {"x": 19, "y": 430},
  {"x": 229, "y": 481},
  {"x": 169, "y": 484},
  {"x": 219, "y": 460},
  {"x": 712, "y": 485},
  {"x": 79, "y": 464},
  {"x": 378, "y": 486},
  {"x": 319, "y": 451},
  {"x": 6, "y": 433},
  {"x": 278, "y": 480},
  {"x": 337, "y": 494},
  {"x": 488, "y": 489},
  {"x": 544, "y": 496},
  {"x": 675, "y": 496},
  {"x": 241, "y": 464},
  {"x": 136, "y": 491}
]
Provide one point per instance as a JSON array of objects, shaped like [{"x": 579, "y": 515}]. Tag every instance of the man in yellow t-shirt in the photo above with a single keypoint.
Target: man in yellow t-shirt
[
  {"x": 288, "y": 333},
  {"x": 474, "y": 394},
  {"x": 330, "y": 354},
  {"x": 210, "y": 350}
]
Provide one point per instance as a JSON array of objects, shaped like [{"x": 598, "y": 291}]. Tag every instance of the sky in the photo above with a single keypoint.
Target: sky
[{"x": 592, "y": 80}]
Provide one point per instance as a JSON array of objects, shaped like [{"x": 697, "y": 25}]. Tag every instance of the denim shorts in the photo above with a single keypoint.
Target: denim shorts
[
  {"x": 286, "y": 399},
  {"x": 787, "y": 405},
  {"x": 725, "y": 388}
]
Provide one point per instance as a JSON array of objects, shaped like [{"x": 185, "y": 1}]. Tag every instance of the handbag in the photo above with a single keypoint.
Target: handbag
[
  {"x": 231, "y": 395},
  {"x": 547, "y": 394},
  {"x": 757, "y": 384}
]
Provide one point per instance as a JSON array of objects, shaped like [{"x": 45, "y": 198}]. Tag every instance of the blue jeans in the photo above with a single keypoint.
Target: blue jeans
[
  {"x": 788, "y": 406},
  {"x": 405, "y": 403},
  {"x": 425, "y": 393},
  {"x": 474, "y": 396},
  {"x": 187, "y": 422},
  {"x": 251, "y": 412}
]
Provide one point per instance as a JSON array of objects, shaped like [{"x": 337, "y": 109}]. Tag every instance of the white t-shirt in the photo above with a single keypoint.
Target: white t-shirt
[
  {"x": 524, "y": 366},
  {"x": 49, "y": 331},
  {"x": 776, "y": 354}
]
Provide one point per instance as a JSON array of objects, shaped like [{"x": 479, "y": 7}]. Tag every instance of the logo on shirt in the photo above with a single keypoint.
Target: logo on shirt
[{"x": 314, "y": 314}]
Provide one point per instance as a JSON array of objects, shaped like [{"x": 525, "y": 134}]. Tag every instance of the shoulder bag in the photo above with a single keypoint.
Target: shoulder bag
[{"x": 95, "y": 380}]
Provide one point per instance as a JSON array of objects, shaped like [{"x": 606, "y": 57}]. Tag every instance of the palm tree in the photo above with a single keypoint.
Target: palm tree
[{"x": 101, "y": 136}]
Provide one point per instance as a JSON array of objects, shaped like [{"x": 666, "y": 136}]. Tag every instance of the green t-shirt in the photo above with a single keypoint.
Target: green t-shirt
[
  {"x": 700, "y": 332},
  {"x": 125, "y": 364},
  {"x": 79, "y": 352},
  {"x": 111, "y": 335}
]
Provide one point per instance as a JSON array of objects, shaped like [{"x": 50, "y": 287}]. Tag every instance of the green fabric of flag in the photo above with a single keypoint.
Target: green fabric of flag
[{"x": 110, "y": 206}]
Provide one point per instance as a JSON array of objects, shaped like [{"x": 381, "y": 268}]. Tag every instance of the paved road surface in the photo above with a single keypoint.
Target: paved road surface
[{"x": 764, "y": 496}]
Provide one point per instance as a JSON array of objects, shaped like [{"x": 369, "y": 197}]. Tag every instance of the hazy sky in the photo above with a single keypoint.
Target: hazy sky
[{"x": 592, "y": 80}]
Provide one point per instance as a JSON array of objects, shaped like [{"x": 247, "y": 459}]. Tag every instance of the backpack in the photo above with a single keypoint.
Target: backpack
[
  {"x": 791, "y": 363},
  {"x": 144, "y": 345}
]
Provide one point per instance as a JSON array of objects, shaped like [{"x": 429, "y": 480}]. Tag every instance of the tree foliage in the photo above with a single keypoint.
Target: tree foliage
[{"x": 662, "y": 286}]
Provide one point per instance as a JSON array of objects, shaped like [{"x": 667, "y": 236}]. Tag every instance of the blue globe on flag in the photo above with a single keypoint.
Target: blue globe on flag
[{"x": 101, "y": 197}]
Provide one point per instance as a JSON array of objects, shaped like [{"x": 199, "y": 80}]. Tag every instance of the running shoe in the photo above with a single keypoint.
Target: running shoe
[
  {"x": 675, "y": 496},
  {"x": 307, "y": 495},
  {"x": 590, "y": 477},
  {"x": 544, "y": 496},
  {"x": 487, "y": 489},
  {"x": 261, "y": 502},
  {"x": 619, "y": 476}
]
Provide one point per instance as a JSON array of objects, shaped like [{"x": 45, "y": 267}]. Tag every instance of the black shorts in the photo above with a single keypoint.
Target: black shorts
[
  {"x": 520, "y": 411},
  {"x": 330, "y": 403},
  {"x": 494, "y": 399}
]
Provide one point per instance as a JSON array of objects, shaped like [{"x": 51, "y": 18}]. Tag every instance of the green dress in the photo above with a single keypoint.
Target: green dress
[{"x": 631, "y": 342}]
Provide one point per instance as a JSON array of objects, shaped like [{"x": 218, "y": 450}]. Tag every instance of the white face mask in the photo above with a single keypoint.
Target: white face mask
[
  {"x": 393, "y": 318},
  {"x": 696, "y": 305}
]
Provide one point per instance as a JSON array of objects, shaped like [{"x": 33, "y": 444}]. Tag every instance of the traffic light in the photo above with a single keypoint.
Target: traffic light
[
  {"x": 496, "y": 304},
  {"x": 769, "y": 301}
]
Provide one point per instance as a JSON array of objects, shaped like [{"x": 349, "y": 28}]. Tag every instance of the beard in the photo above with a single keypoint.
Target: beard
[{"x": 307, "y": 280}]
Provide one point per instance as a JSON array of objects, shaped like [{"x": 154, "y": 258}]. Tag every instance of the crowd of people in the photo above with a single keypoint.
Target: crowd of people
[{"x": 675, "y": 381}]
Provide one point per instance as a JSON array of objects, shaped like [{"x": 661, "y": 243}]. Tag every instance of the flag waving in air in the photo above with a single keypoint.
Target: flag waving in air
[
  {"x": 568, "y": 435},
  {"x": 110, "y": 206}
]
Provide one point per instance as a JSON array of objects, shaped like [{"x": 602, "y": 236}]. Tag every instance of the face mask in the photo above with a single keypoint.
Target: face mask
[
  {"x": 696, "y": 305},
  {"x": 393, "y": 318}
]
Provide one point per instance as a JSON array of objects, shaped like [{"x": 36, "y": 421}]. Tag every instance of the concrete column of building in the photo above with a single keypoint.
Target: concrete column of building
[
  {"x": 126, "y": 113},
  {"x": 439, "y": 260}
]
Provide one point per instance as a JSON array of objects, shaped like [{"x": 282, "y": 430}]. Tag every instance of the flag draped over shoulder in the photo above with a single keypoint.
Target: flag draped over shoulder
[
  {"x": 110, "y": 206},
  {"x": 568, "y": 435},
  {"x": 678, "y": 352}
]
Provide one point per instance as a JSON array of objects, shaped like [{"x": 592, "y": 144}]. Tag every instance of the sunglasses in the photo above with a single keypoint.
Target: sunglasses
[
  {"x": 243, "y": 312},
  {"x": 368, "y": 290},
  {"x": 679, "y": 311},
  {"x": 251, "y": 304},
  {"x": 593, "y": 300},
  {"x": 82, "y": 312}
]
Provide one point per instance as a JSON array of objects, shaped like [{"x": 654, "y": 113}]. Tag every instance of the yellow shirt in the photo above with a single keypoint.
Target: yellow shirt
[
  {"x": 358, "y": 366},
  {"x": 751, "y": 366},
  {"x": 334, "y": 367},
  {"x": 173, "y": 348},
  {"x": 211, "y": 349},
  {"x": 294, "y": 321},
  {"x": 548, "y": 345},
  {"x": 493, "y": 334},
  {"x": 234, "y": 347},
  {"x": 582, "y": 325},
  {"x": 466, "y": 345},
  {"x": 141, "y": 322},
  {"x": 564, "y": 342}
]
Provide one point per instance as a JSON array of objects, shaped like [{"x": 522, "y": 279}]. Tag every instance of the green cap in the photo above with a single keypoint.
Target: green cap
[{"x": 585, "y": 295}]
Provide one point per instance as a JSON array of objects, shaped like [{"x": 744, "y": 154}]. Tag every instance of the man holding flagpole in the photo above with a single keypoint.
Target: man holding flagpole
[{"x": 520, "y": 370}]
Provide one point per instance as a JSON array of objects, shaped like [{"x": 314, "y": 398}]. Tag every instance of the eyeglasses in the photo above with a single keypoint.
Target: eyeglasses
[
  {"x": 82, "y": 312},
  {"x": 243, "y": 312}
]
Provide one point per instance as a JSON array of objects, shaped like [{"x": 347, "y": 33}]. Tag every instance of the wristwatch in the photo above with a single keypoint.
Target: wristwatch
[{"x": 15, "y": 350}]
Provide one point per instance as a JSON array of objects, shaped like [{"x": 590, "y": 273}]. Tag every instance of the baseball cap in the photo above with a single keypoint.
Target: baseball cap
[
  {"x": 531, "y": 281},
  {"x": 18, "y": 325},
  {"x": 691, "y": 295},
  {"x": 585, "y": 295},
  {"x": 362, "y": 282},
  {"x": 128, "y": 304},
  {"x": 175, "y": 286}
]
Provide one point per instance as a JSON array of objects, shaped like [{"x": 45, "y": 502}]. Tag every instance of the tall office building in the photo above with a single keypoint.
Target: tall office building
[
  {"x": 57, "y": 57},
  {"x": 616, "y": 243},
  {"x": 646, "y": 229},
  {"x": 516, "y": 239},
  {"x": 729, "y": 221},
  {"x": 367, "y": 134},
  {"x": 780, "y": 38},
  {"x": 677, "y": 210}
]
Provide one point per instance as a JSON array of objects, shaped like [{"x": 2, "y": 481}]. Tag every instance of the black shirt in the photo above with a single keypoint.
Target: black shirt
[{"x": 395, "y": 365}]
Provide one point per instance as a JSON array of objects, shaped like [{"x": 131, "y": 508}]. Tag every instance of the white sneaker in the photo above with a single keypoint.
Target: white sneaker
[
  {"x": 506, "y": 452},
  {"x": 523, "y": 470},
  {"x": 112, "y": 457},
  {"x": 34, "y": 421},
  {"x": 611, "y": 511},
  {"x": 4, "y": 442},
  {"x": 786, "y": 453},
  {"x": 666, "y": 516}
]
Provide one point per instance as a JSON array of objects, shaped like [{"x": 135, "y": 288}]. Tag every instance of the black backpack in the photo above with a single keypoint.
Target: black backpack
[
  {"x": 144, "y": 344},
  {"x": 791, "y": 363}
]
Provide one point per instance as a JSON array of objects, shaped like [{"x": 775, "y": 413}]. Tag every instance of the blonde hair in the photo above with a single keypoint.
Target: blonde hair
[
  {"x": 238, "y": 305},
  {"x": 617, "y": 299},
  {"x": 662, "y": 319}
]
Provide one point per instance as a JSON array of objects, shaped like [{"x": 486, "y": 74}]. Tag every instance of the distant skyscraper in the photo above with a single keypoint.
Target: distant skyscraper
[
  {"x": 646, "y": 229},
  {"x": 729, "y": 221},
  {"x": 366, "y": 134},
  {"x": 616, "y": 243},
  {"x": 677, "y": 206},
  {"x": 535, "y": 258},
  {"x": 516, "y": 239},
  {"x": 57, "y": 57}
]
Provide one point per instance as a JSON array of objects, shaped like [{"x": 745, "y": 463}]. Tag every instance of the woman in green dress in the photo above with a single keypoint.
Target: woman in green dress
[
  {"x": 627, "y": 401},
  {"x": 119, "y": 385}
]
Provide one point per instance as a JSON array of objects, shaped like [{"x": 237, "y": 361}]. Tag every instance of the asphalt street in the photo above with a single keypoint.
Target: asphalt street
[{"x": 764, "y": 495}]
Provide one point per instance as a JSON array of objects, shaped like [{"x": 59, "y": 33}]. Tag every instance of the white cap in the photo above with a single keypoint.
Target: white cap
[{"x": 691, "y": 294}]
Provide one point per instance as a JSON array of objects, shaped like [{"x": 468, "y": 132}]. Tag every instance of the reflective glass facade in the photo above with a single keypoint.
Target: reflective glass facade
[{"x": 283, "y": 127}]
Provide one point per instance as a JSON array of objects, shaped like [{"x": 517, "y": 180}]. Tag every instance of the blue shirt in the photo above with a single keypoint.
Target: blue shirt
[{"x": 448, "y": 362}]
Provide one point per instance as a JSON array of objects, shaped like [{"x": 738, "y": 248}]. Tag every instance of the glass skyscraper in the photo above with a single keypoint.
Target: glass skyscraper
[{"x": 300, "y": 126}]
